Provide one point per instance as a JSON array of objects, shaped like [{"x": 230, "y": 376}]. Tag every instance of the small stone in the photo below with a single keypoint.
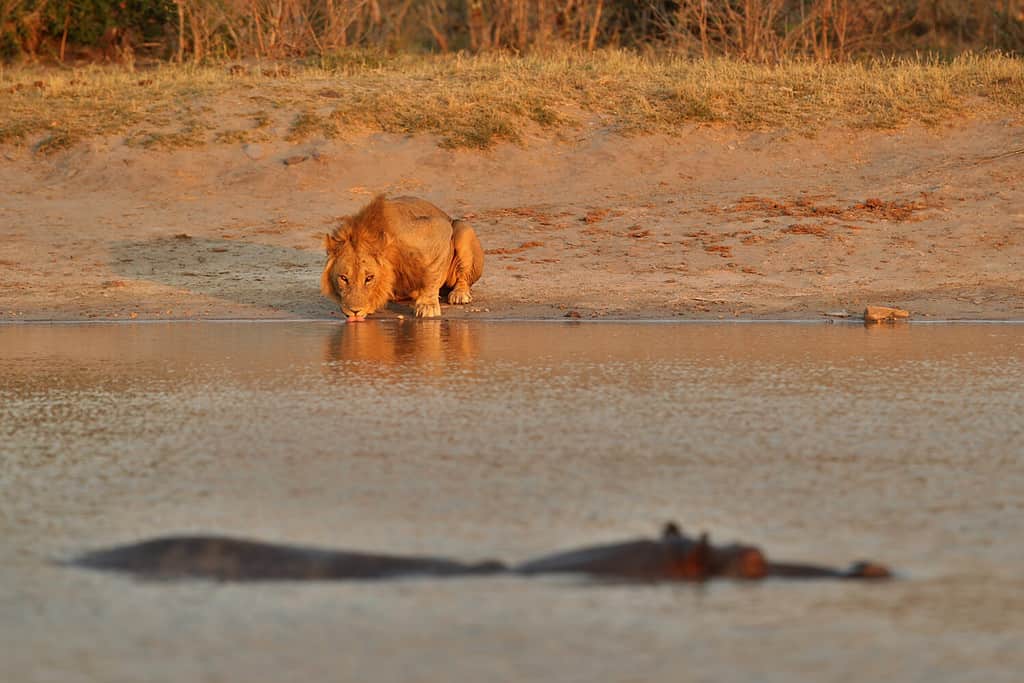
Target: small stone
[
  {"x": 297, "y": 159},
  {"x": 253, "y": 151},
  {"x": 878, "y": 314},
  {"x": 836, "y": 314},
  {"x": 572, "y": 314}
]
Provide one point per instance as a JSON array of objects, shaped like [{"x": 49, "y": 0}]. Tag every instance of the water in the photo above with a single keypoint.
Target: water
[{"x": 821, "y": 443}]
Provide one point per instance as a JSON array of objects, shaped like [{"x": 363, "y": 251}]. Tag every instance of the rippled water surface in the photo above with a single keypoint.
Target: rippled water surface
[{"x": 822, "y": 443}]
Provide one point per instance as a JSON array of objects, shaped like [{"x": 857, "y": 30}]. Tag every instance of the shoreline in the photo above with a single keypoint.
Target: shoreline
[{"x": 852, "y": 321}]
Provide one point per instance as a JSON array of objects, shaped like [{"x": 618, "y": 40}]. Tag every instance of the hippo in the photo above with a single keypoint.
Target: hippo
[
  {"x": 677, "y": 557},
  {"x": 671, "y": 557},
  {"x": 223, "y": 558}
]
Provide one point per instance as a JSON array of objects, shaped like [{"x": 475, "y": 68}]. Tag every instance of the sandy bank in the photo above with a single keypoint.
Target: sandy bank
[{"x": 714, "y": 223}]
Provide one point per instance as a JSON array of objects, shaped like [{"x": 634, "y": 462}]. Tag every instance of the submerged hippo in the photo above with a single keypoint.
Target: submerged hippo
[
  {"x": 672, "y": 557},
  {"x": 234, "y": 559}
]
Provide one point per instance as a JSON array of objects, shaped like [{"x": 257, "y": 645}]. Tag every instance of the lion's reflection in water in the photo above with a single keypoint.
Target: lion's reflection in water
[{"x": 428, "y": 344}]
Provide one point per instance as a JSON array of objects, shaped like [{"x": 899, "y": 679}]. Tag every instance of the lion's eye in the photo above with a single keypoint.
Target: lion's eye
[
  {"x": 343, "y": 279},
  {"x": 368, "y": 279}
]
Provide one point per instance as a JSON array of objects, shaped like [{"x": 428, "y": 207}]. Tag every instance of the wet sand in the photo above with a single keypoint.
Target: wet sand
[{"x": 821, "y": 443}]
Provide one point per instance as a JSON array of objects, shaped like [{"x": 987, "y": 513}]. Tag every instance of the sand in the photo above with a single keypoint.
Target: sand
[{"x": 715, "y": 223}]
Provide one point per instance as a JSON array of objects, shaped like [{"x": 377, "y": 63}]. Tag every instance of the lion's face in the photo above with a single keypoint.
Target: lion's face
[{"x": 357, "y": 274}]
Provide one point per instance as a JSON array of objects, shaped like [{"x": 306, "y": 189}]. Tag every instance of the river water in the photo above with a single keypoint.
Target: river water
[{"x": 821, "y": 443}]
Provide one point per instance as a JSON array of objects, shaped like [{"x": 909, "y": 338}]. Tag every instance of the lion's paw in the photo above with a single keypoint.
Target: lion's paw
[
  {"x": 430, "y": 310},
  {"x": 459, "y": 296}
]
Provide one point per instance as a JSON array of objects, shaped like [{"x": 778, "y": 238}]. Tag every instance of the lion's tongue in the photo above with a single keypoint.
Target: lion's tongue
[{"x": 356, "y": 318}]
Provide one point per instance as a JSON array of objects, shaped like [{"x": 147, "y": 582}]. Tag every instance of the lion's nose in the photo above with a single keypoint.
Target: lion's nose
[{"x": 357, "y": 312}]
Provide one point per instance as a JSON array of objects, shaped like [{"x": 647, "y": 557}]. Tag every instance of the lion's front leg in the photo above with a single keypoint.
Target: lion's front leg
[
  {"x": 426, "y": 302},
  {"x": 428, "y": 307}
]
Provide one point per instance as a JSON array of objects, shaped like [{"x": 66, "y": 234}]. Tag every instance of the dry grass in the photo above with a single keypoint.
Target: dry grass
[{"x": 479, "y": 100}]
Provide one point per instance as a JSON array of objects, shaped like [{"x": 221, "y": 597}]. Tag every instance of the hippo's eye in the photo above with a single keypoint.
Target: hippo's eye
[
  {"x": 369, "y": 278},
  {"x": 343, "y": 279}
]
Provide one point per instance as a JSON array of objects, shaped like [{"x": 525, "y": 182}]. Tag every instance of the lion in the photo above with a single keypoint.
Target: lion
[{"x": 399, "y": 249}]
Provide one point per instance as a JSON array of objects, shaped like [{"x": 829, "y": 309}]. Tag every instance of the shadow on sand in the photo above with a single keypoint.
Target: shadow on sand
[{"x": 278, "y": 278}]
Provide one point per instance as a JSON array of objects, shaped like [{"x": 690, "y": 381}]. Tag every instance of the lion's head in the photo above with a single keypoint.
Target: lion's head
[{"x": 359, "y": 273}]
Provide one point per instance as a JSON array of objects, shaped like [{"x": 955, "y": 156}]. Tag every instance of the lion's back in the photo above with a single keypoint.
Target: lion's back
[{"x": 420, "y": 226}]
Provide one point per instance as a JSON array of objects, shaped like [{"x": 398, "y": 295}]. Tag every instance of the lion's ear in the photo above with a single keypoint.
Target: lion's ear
[{"x": 333, "y": 242}]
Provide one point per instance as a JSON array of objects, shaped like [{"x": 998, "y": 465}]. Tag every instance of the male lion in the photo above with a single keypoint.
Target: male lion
[{"x": 401, "y": 248}]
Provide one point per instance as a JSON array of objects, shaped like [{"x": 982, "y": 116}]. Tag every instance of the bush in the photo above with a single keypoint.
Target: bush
[
  {"x": 756, "y": 30},
  {"x": 103, "y": 26}
]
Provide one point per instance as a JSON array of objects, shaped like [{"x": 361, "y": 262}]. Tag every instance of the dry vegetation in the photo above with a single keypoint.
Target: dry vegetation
[
  {"x": 756, "y": 30},
  {"x": 473, "y": 101}
]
